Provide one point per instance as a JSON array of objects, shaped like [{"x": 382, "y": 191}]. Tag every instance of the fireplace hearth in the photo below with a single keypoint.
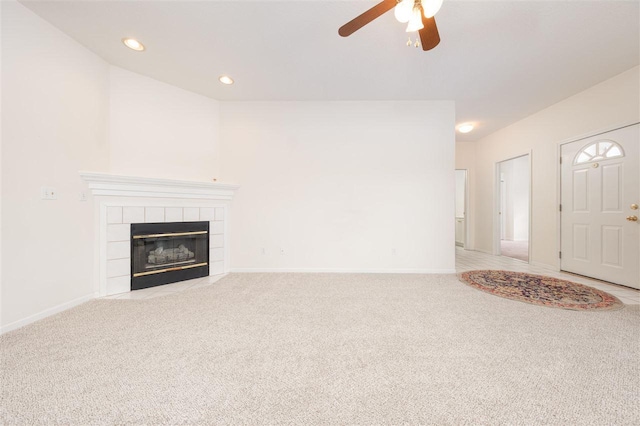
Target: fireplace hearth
[{"x": 163, "y": 253}]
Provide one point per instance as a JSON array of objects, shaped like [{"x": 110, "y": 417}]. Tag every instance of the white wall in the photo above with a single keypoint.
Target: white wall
[
  {"x": 466, "y": 159},
  {"x": 340, "y": 185},
  {"x": 461, "y": 183},
  {"x": 609, "y": 103},
  {"x": 158, "y": 130},
  {"x": 54, "y": 123}
]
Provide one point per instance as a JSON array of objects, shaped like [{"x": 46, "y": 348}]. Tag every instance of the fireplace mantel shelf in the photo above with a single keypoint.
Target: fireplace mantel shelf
[{"x": 105, "y": 184}]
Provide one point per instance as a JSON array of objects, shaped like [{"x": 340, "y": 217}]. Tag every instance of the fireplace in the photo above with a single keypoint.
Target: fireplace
[{"x": 163, "y": 253}]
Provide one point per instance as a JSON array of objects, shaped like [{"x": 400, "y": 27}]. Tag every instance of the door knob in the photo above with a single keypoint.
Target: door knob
[{"x": 632, "y": 218}]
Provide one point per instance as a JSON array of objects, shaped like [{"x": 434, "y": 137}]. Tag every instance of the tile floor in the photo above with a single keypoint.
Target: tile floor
[{"x": 465, "y": 260}]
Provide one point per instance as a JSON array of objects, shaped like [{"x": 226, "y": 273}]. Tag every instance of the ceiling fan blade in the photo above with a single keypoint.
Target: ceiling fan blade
[
  {"x": 368, "y": 16},
  {"x": 429, "y": 36}
]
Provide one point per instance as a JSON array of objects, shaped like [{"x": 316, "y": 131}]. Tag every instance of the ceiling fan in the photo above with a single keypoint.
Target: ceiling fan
[{"x": 419, "y": 14}]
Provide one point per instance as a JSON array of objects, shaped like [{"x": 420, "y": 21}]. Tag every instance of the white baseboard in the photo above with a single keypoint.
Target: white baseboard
[
  {"x": 347, "y": 271},
  {"x": 46, "y": 313}
]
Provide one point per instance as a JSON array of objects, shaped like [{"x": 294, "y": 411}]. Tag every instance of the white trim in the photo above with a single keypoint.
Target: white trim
[
  {"x": 497, "y": 207},
  {"x": 130, "y": 186},
  {"x": 46, "y": 313},
  {"x": 346, "y": 271}
]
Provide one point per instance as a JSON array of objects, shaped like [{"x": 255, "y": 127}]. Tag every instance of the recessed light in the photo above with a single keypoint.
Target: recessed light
[
  {"x": 225, "y": 79},
  {"x": 134, "y": 44},
  {"x": 465, "y": 128}
]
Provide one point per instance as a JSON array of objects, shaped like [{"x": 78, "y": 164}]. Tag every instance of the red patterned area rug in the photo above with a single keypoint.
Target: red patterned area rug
[{"x": 541, "y": 290}]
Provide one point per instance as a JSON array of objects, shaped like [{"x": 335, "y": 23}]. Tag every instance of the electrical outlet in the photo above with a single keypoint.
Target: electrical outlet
[
  {"x": 82, "y": 196},
  {"x": 281, "y": 251},
  {"x": 48, "y": 193}
]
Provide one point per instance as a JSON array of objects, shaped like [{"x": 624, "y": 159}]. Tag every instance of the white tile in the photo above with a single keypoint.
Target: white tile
[
  {"x": 216, "y": 241},
  {"x": 219, "y": 213},
  {"x": 207, "y": 213},
  {"x": 118, "y": 250},
  {"x": 191, "y": 214},
  {"x": 133, "y": 214},
  {"x": 147, "y": 291},
  {"x": 153, "y": 214},
  {"x": 120, "y": 232},
  {"x": 161, "y": 293},
  {"x": 173, "y": 214},
  {"x": 181, "y": 285},
  {"x": 216, "y": 228},
  {"x": 212, "y": 279},
  {"x": 135, "y": 295},
  {"x": 216, "y": 254},
  {"x": 118, "y": 285},
  {"x": 118, "y": 268},
  {"x": 115, "y": 296},
  {"x": 216, "y": 268},
  {"x": 114, "y": 214}
]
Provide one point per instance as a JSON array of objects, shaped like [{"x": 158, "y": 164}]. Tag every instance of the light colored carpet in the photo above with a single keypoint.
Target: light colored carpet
[
  {"x": 324, "y": 349},
  {"x": 515, "y": 249}
]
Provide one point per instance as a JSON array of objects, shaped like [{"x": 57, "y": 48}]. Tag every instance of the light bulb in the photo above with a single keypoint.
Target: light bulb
[
  {"x": 465, "y": 128},
  {"x": 415, "y": 23},
  {"x": 134, "y": 44},
  {"x": 403, "y": 10},
  {"x": 431, "y": 7},
  {"x": 225, "y": 79}
]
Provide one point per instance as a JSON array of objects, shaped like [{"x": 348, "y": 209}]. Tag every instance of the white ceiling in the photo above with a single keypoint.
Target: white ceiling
[{"x": 499, "y": 61}]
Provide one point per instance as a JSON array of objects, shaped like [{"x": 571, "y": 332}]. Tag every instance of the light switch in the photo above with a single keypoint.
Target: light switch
[{"x": 48, "y": 193}]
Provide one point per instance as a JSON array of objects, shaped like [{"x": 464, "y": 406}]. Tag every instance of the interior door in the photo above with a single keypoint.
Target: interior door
[{"x": 600, "y": 188}]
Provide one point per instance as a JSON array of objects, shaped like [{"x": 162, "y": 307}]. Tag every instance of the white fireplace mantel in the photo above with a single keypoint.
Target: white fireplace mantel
[
  {"x": 130, "y": 186},
  {"x": 123, "y": 200}
]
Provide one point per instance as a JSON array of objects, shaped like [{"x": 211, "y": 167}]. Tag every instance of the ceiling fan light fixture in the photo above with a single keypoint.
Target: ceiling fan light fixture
[
  {"x": 415, "y": 23},
  {"x": 133, "y": 44},
  {"x": 465, "y": 127},
  {"x": 403, "y": 10},
  {"x": 431, "y": 7}
]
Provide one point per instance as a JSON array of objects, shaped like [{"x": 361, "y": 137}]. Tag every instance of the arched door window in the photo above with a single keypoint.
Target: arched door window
[{"x": 598, "y": 151}]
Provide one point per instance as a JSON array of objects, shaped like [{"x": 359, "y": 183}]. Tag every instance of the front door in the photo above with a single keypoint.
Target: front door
[{"x": 600, "y": 188}]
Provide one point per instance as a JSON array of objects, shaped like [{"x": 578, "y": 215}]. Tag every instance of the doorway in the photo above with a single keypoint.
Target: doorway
[
  {"x": 461, "y": 208},
  {"x": 600, "y": 182},
  {"x": 514, "y": 201}
]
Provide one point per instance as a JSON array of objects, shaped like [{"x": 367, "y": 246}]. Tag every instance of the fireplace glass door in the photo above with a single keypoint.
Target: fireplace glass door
[{"x": 162, "y": 253}]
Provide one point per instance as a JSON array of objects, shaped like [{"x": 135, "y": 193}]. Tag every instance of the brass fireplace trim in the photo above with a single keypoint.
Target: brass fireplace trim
[
  {"x": 177, "y": 268},
  {"x": 171, "y": 234}
]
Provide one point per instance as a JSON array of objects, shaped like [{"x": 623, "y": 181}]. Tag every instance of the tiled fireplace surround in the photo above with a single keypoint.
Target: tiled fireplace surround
[{"x": 121, "y": 201}]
